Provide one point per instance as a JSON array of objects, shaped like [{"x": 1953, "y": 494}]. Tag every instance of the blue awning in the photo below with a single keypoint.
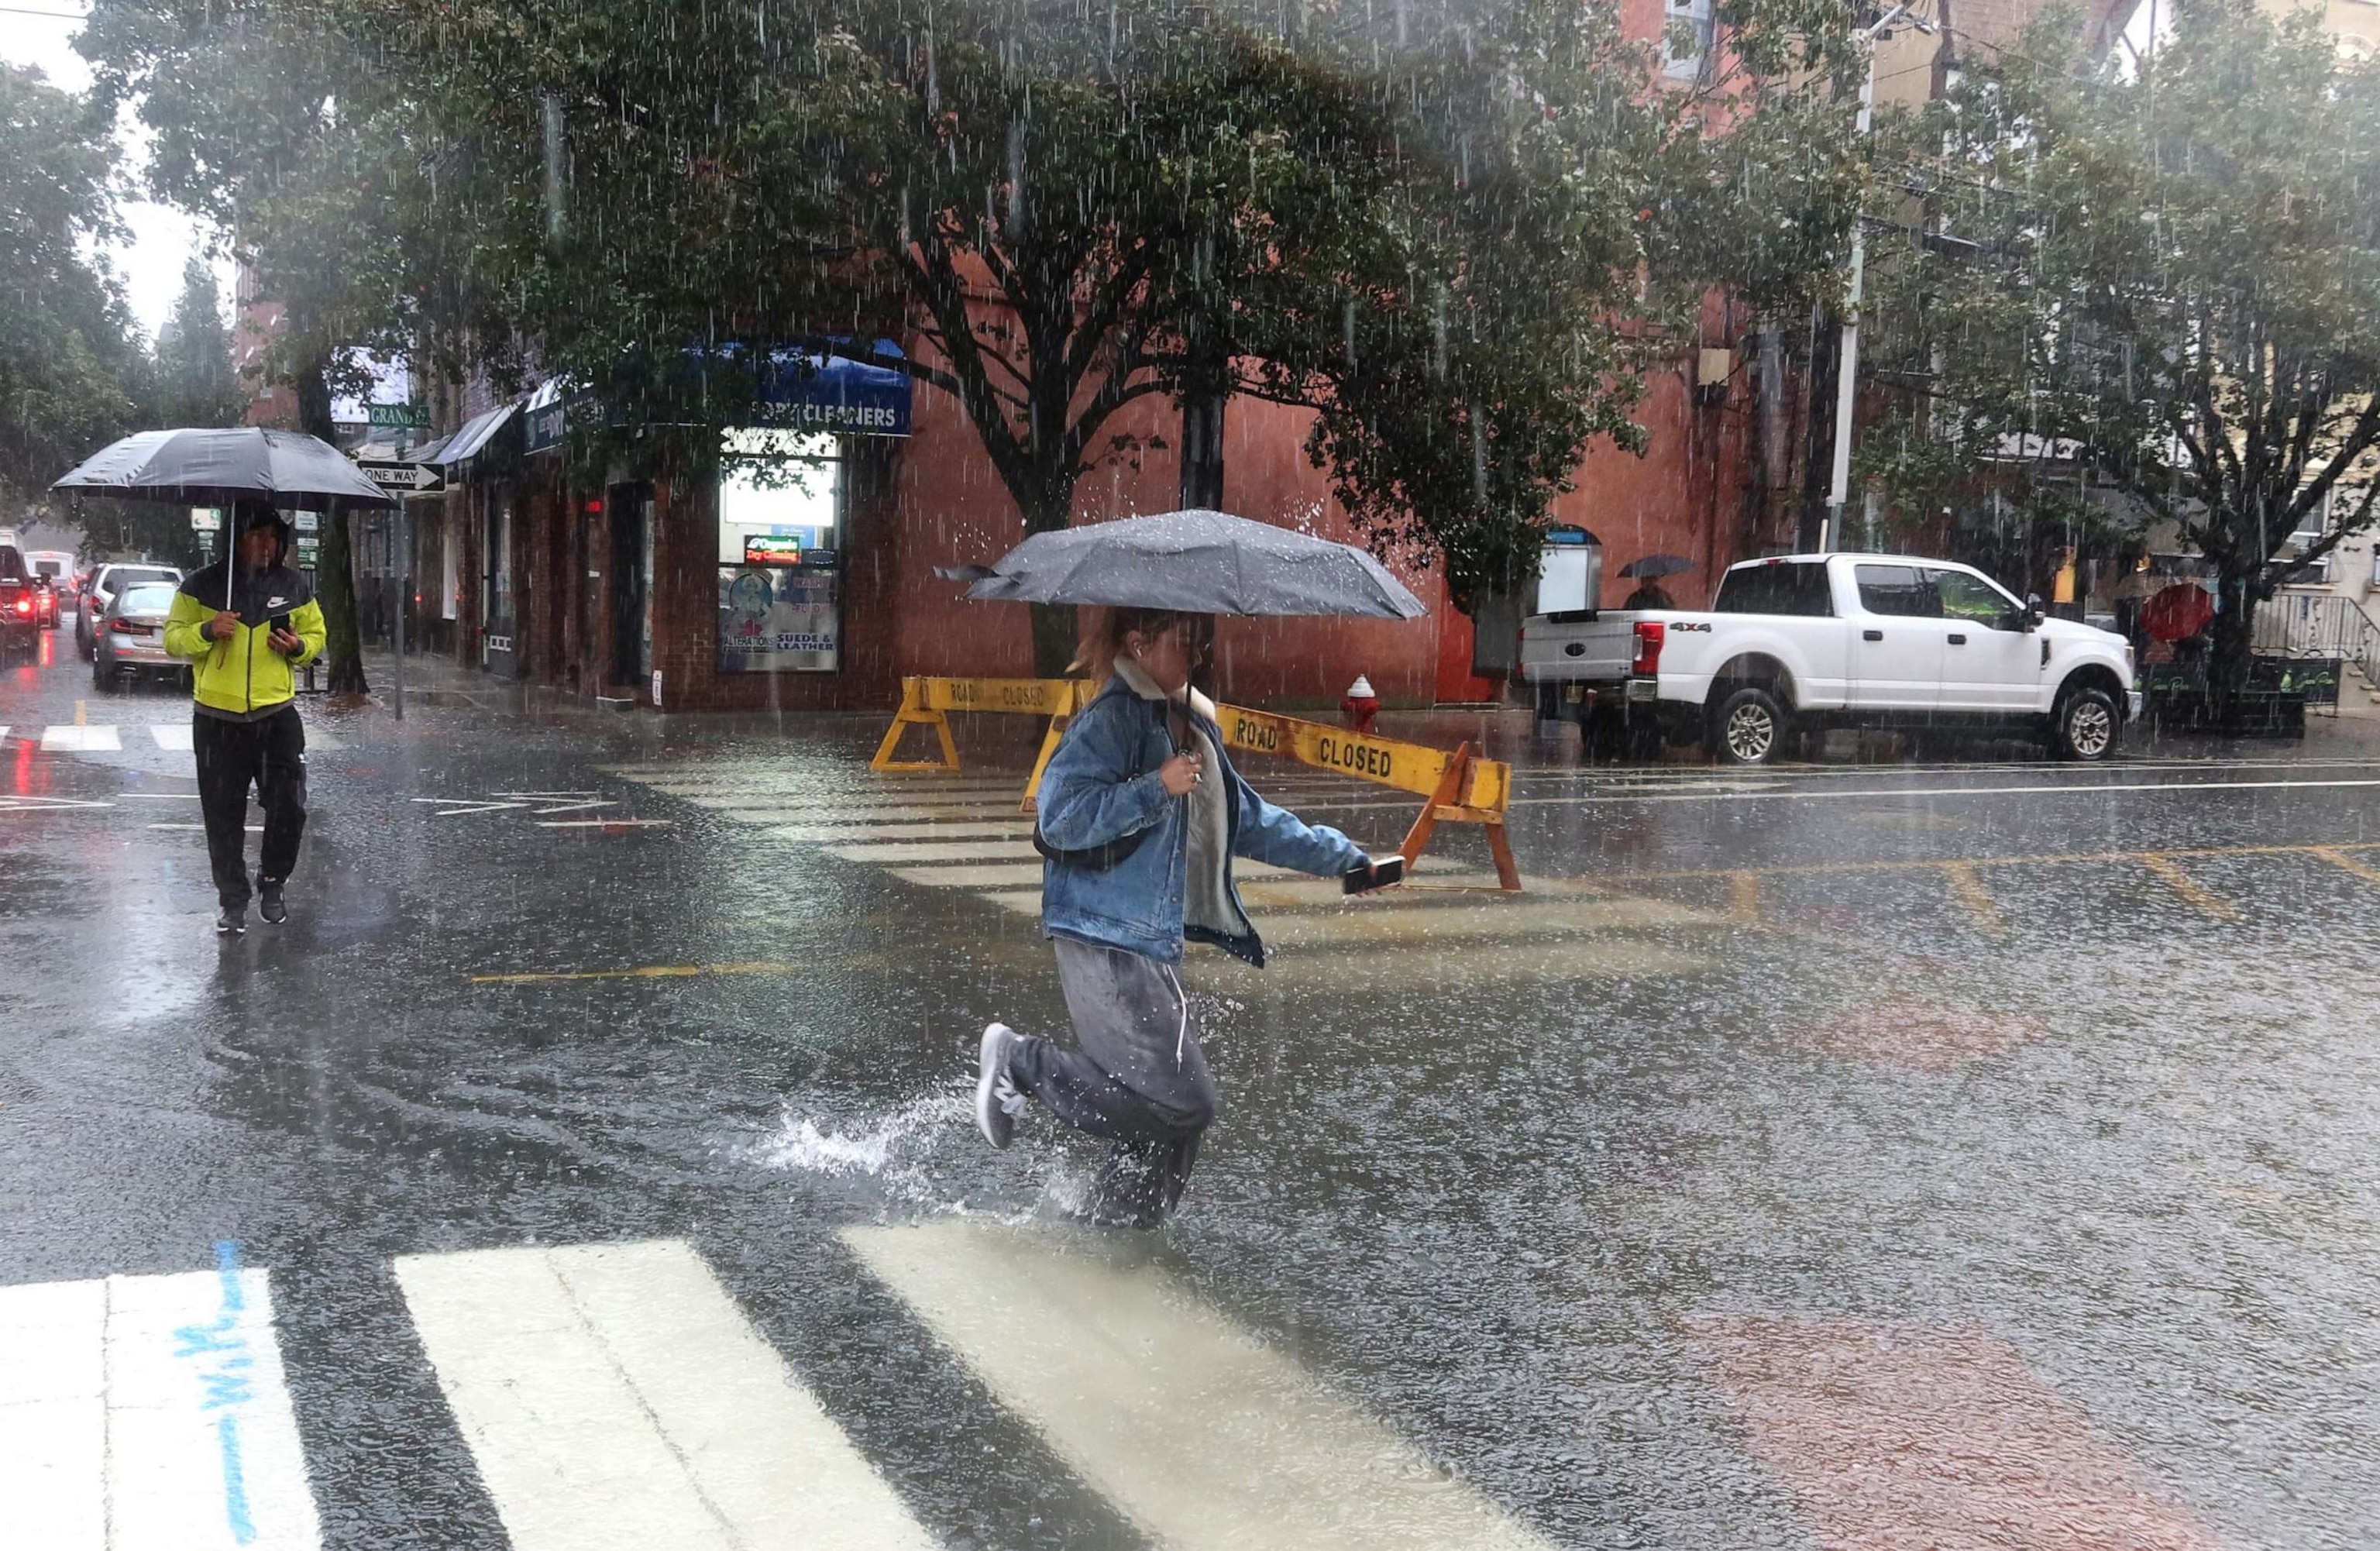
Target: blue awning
[{"x": 815, "y": 390}]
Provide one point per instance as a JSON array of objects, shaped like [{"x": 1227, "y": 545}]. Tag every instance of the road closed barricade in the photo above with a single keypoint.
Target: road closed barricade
[
  {"x": 929, "y": 702},
  {"x": 1458, "y": 787}
]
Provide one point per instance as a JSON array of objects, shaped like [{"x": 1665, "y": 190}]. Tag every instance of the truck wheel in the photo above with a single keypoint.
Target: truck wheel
[
  {"x": 2084, "y": 724},
  {"x": 1748, "y": 727}
]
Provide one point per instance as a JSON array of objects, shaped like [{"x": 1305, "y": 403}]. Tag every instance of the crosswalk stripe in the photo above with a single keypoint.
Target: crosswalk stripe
[
  {"x": 175, "y": 737},
  {"x": 615, "y": 1397},
  {"x": 936, "y": 851},
  {"x": 998, "y": 875},
  {"x": 972, "y": 830},
  {"x": 1206, "y": 1437},
  {"x": 150, "y": 1414},
  {"x": 79, "y": 740}
]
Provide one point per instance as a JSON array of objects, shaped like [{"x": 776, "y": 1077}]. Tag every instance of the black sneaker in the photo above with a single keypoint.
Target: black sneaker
[
  {"x": 231, "y": 921},
  {"x": 268, "y": 903},
  {"x": 997, "y": 1098}
]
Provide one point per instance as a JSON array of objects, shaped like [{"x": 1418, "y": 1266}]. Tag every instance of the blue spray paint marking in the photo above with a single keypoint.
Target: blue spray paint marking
[{"x": 224, "y": 1382}]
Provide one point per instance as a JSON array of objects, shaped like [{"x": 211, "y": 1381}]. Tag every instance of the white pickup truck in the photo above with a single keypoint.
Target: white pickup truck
[{"x": 1802, "y": 642}]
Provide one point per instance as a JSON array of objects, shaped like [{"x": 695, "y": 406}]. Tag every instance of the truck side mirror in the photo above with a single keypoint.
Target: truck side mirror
[{"x": 2032, "y": 611}]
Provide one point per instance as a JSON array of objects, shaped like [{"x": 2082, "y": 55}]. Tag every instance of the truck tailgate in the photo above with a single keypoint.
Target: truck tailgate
[{"x": 1597, "y": 650}]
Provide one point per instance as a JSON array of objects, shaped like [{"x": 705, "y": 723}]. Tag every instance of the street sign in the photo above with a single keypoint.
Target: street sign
[
  {"x": 206, "y": 519},
  {"x": 413, "y": 479},
  {"x": 308, "y": 522},
  {"x": 413, "y": 416}
]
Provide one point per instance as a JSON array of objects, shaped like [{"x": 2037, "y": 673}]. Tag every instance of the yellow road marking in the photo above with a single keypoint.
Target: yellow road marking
[
  {"x": 1744, "y": 897},
  {"x": 1975, "y": 897},
  {"x": 2340, "y": 859},
  {"x": 649, "y": 971},
  {"x": 81, "y": 713},
  {"x": 2198, "y": 896}
]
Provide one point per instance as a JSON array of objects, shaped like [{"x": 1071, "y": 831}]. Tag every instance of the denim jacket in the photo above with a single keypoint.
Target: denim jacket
[{"x": 1149, "y": 902}]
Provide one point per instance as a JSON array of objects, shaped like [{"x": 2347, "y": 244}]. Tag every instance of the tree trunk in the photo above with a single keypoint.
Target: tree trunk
[
  {"x": 335, "y": 577},
  {"x": 2230, "y": 639}
]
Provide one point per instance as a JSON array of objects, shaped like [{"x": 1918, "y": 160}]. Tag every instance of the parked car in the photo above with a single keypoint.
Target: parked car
[
  {"x": 20, "y": 627},
  {"x": 105, "y": 582},
  {"x": 1804, "y": 642},
  {"x": 130, "y": 639},
  {"x": 53, "y": 569}
]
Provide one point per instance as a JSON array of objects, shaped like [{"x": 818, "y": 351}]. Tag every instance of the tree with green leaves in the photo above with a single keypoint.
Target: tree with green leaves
[
  {"x": 297, "y": 133},
  {"x": 70, "y": 370},
  {"x": 2165, "y": 280},
  {"x": 196, "y": 383}
]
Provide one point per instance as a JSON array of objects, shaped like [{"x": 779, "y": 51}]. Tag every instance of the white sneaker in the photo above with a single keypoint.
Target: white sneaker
[{"x": 997, "y": 1098}]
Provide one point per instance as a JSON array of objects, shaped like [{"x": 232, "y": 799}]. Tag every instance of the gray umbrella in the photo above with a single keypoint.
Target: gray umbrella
[
  {"x": 1196, "y": 561},
  {"x": 216, "y": 468},
  {"x": 1655, "y": 566}
]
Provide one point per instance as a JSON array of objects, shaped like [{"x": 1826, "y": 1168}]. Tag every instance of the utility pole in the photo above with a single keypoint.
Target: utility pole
[{"x": 1846, "y": 357}]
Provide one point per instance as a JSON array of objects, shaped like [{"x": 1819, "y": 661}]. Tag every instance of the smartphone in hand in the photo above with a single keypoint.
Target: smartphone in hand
[{"x": 1383, "y": 871}]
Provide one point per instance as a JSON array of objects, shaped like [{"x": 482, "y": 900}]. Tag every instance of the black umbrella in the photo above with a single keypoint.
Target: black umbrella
[
  {"x": 219, "y": 466},
  {"x": 1655, "y": 566}
]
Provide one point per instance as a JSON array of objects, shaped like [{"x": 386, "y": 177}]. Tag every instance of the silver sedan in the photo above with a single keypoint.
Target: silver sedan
[{"x": 129, "y": 637}]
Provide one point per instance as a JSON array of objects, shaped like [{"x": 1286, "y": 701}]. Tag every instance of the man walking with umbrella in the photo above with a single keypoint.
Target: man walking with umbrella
[{"x": 245, "y": 624}]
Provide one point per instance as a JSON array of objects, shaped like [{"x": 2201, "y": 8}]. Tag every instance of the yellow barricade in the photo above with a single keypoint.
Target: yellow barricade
[
  {"x": 927, "y": 702},
  {"x": 1458, "y": 787}
]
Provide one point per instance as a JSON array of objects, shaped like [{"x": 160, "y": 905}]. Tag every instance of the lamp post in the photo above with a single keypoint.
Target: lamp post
[{"x": 1847, "y": 358}]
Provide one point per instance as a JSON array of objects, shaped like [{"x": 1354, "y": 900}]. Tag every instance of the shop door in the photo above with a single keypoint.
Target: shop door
[
  {"x": 499, "y": 622},
  {"x": 630, "y": 573}
]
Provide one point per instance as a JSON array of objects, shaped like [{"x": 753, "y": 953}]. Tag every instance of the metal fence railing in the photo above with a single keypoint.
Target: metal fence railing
[{"x": 2319, "y": 625}]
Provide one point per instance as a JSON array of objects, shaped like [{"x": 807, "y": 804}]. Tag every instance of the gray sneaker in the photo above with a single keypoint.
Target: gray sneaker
[
  {"x": 997, "y": 1097},
  {"x": 231, "y": 921}
]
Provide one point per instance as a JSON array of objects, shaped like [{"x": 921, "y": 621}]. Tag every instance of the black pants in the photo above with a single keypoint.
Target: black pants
[
  {"x": 270, "y": 754},
  {"x": 1139, "y": 1079}
]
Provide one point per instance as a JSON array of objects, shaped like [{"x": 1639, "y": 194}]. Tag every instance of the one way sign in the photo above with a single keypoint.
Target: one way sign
[{"x": 413, "y": 479}]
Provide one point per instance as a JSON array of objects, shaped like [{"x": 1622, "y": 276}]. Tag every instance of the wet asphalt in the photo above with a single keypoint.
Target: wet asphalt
[{"x": 2032, "y": 1104}]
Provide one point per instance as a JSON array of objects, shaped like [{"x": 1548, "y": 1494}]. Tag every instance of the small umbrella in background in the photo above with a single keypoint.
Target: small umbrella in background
[
  {"x": 1653, "y": 567},
  {"x": 2178, "y": 613},
  {"x": 217, "y": 466},
  {"x": 1195, "y": 561}
]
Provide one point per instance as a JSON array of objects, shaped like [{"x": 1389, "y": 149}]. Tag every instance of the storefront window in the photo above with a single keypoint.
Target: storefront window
[{"x": 780, "y": 560}]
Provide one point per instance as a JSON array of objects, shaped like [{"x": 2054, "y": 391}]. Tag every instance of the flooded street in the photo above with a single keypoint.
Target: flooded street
[{"x": 1831, "y": 1156}]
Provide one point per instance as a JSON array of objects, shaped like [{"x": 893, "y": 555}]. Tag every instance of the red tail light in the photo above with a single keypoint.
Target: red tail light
[
  {"x": 125, "y": 627},
  {"x": 24, "y": 605},
  {"x": 1649, "y": 634}
]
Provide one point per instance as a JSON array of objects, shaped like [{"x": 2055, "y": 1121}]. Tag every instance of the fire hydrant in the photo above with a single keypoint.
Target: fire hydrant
[{"x": 1361, "y": 705}]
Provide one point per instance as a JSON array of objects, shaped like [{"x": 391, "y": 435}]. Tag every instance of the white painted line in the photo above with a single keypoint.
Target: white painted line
[
  {"x": 989, "y": 829},
  {"x": 2060, "y": 789},
  {"x": 605, "y": 823},
  {"x": 774, "y": 817},
  {"x": 160, "y": 796},
  {"x": 577, "y": 806},
  {"x": 928, "y": 850},
  {"x": 173, "y": 737},
  {"x": 251, "y": 829},
  {"x": 81, "y": 740},
  {"x": 150, "y": 1414},
  {"x": 450, "y": 807},
  {"x": 45, "y": 804},
  {"x": 614, "y": 1397},
  {"x": 998, "y": 875},
  {"x": 4, "y": 732},
  {"x": 1210, "y": 1438}
]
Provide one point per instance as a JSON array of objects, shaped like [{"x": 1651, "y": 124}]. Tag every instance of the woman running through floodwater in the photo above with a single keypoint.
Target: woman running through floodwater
[{"x": 1141, "y": 815}]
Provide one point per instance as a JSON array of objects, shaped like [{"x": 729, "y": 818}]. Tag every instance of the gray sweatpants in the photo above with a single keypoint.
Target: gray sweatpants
[{"x": 1138, "y": 1079}]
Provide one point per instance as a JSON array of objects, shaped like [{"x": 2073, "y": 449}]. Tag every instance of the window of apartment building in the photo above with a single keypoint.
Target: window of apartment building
[
  {"x": 780, "y": 554},
  {"x": 1690, "y": 26}
]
